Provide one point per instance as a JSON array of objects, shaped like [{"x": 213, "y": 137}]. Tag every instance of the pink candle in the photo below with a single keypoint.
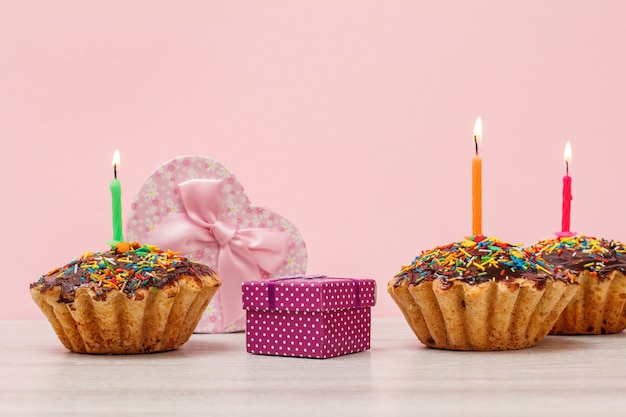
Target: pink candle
[
  {"x": 567, "y": 198},
  {"x": 567, "y": 194}
]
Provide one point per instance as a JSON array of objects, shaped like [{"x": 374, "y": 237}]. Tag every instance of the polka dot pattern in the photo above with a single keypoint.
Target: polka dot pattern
[
  {"x": 308, "y": 334},
  {"x": 308, "y": 318},
  {"x": 302, "y": 294}
]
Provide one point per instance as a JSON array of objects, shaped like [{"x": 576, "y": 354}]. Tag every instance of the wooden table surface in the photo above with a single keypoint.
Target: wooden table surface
[{"x": 212, "y": 375}]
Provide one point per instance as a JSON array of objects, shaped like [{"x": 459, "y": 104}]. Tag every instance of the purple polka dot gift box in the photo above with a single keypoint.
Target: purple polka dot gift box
[{"x": 310, "y": 316}]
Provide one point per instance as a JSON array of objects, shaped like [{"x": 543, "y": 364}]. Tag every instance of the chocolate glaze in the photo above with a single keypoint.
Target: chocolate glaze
[
  {"x": 600, "y": 256},
  {"x": 137, "y": 268},
  {"x": 509, "y": 264}
]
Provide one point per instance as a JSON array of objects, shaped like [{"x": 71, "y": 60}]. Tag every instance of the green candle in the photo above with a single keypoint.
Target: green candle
[{"x": 116, "y": 195}]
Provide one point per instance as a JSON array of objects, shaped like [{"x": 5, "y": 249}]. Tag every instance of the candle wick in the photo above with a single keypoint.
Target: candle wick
[
  {"x": 476, "y": 144},
  {"x": 566, "y": 168},
  {"x": 115, "y": 171}
]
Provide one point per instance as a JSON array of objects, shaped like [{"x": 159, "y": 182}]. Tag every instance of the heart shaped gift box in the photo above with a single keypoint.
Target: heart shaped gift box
[{"x": 195, "y": 205}]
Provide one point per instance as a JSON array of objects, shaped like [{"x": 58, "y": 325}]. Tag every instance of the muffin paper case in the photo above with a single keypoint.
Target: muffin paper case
[{"x": 195, "y": 205}]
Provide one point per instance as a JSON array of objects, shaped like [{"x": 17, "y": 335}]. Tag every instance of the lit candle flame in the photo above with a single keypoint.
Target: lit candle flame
[
  {"x": 567, "y": 155},
  {"x": 478, "y": 132},
  {"x": 116, "y": 158}
]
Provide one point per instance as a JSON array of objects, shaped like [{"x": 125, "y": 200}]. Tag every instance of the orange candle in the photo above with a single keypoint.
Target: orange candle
[{"x": 477, "y": 205}]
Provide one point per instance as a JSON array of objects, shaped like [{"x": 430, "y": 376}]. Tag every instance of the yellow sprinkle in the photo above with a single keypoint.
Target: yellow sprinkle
[
  {"x": 543, "y": 269},
  {"x": 489, "y": 260},
  {"x": 479, "y": 266}
]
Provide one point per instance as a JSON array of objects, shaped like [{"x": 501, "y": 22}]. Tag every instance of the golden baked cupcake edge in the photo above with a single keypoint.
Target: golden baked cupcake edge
[
  {"x": 599, "y": 305},
  {"x": 480, "y": 294},
  {"x": 131, "y": 299}
]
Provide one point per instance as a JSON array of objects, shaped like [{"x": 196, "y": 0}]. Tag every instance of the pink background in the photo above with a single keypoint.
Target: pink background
[{"x": 353, "y": 119}]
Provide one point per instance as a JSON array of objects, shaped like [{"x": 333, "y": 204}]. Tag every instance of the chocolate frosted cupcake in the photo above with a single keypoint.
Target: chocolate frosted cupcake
[
  {"x": 599, "y": 306},
  {"x": 133, "y": 299},
  {"x": 480, "y": 294}
]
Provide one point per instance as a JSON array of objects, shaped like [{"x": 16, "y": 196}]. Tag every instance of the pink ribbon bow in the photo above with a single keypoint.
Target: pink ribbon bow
[{"x": 240, "y": 251}]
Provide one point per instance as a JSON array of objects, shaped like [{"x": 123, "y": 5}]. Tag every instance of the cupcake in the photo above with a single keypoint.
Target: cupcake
[
  {"x": 599, "y": 306},
  {"x": 480, "y": 294},
  {"x": 130, "y": 299}
]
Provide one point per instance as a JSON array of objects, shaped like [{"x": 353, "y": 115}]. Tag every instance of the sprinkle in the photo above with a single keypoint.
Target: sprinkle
[
  {"x": 107, "y": 263},
  {"x": 139, "y": 266},
  {"x": 582, "y": 252},
  {"x": 541, "y": 268},
  {"x": 476, "y": 259}
]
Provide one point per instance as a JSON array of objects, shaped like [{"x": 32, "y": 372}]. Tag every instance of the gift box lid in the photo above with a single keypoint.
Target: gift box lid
[{"x": 308, "y": 293}]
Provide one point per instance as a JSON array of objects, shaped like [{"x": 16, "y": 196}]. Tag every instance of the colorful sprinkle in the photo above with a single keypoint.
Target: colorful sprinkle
[
  {"x": 478, "y": 259},
  {"x": 134, "y": 267},
  {"x": 582, "y": 253}
]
